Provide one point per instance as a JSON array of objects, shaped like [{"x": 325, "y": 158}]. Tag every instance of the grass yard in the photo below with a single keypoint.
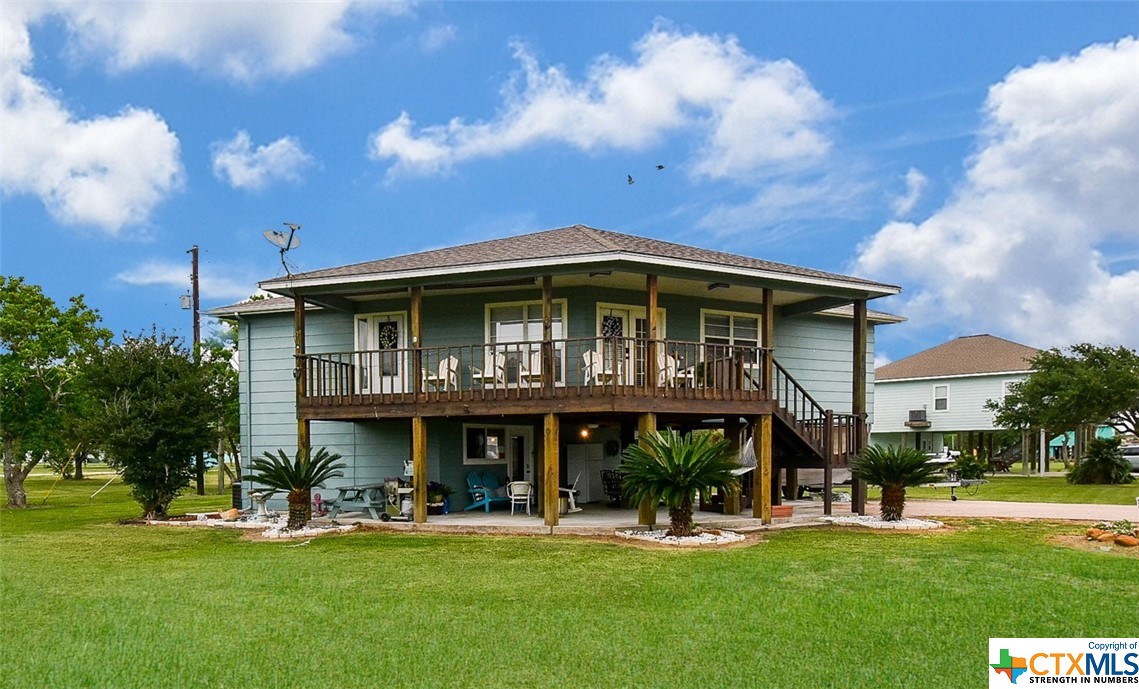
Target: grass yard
[
  {"x": 94, "y": 604},
  {"x": 1005, "y": 487}
]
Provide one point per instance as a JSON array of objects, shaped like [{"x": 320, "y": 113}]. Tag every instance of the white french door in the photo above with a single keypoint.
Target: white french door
[
  {"x": 381, "y": 343},
  {"x": 616, "y": 323}
]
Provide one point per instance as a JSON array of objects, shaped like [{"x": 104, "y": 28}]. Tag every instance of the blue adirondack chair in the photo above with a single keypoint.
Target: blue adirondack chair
[{"x": 482, "y": 489}]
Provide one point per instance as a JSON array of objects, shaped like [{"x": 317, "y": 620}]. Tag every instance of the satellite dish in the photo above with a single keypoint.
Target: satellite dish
[{"x": 284, "y": 242}]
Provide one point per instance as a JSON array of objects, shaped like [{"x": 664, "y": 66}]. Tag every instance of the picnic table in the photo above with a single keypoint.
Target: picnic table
[
  {"x": 363, "y": 498},
  {"x": 996, "y": 465}
]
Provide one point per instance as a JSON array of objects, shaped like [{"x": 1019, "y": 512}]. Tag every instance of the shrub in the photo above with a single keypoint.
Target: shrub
[
  {"x": 969, "y": 466},
  {"x": 894, "y": 469},
  {"x": 298, "y": 477},
  {"x": 1103, "y": 464},
  {"x": 673, "y": 469}
]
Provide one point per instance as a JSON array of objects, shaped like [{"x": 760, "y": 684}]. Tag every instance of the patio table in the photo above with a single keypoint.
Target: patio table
[{"x": 363, "y": 498}]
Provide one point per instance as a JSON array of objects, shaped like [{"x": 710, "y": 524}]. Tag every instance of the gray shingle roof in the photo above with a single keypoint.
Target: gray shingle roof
[
  {"x": 566, "y": 242},
  {"x": 973, "y": 354}
]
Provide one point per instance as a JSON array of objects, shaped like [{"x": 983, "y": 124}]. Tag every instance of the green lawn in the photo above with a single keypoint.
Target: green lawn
[
  {"x": 91, "y": 603},
  {"x": 1007, "y": 487}
]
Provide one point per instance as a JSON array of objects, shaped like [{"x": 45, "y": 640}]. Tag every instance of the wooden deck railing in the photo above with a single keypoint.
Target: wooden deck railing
[{"x": 574, "y": 367}]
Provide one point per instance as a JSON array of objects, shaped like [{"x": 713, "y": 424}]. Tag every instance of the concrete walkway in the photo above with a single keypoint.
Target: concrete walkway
[{"x": 1006, "y": 510}]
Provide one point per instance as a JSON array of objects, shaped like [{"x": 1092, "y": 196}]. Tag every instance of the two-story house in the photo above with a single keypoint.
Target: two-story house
[
  {"x": 942, "y": 391},
  {"x": 503, "y": 355}
]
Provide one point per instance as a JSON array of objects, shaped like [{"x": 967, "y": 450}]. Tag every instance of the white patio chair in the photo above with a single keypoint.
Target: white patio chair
[
  {"x": 531, "y": 373},
  {"x": 597, "y": 370},
  {"x": 519, "y": 493},
  {"x": 571, "y": 493},
  {"x": 494, "y": 375},
  {"x": 447, "y": 375}
]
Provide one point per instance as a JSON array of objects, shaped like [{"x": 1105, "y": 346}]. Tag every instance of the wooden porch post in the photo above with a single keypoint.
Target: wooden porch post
[
  {"x": 550, "y": 460},
  {"x": 303, "y": 425},
  {"x": 767, "y": 341},
  {"x": 761, "y": 440},
  {"x": 651, "y": 332},
  {"x": 417, "y": 352},
  {"x": 828, "y": 458},
  {"x": 548, "y": 335},
  {"x": 732, "y": 434},
  {"x": 647, "y": 510},
  {"x": 858, "y": 399},
  {"x": 419, "y": 467}
]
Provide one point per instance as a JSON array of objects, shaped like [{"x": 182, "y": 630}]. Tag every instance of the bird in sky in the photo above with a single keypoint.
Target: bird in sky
[
  {"x": 660, "y": 167},
  {"x": 630, "y": 178}
]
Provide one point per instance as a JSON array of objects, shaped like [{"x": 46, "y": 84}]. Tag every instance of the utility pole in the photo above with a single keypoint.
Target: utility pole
[
  {"x": 199, "y": 459},
  {"x": 194, "y": 292}
]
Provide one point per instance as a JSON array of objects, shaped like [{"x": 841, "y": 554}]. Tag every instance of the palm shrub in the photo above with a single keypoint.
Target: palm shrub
[
  {"x": 668, "y": 468},
  {"x": 1103, "y": 463},
  {"x": 894, "y": 469},
  {"x": 298, "y": 476}
]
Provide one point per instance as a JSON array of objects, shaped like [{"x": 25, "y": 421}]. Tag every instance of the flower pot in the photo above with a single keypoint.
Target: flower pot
[{"x": 435, "y": 508}]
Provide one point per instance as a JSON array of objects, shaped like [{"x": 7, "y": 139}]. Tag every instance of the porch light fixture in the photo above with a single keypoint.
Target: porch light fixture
[
  {"x": 584, "y": 433},
  {"x": 718, "y": 285}
]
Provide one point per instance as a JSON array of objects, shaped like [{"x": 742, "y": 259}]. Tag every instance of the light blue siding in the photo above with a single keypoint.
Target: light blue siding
[{"x": 818, "y": 351}]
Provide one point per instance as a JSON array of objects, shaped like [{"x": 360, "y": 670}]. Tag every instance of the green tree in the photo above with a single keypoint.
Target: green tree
[
  {"x": 43, "y": 352},
  {"x": 1088, "y": 385},
  {"x": 297, "y": 478},
  {"x": 220, "y": 374},
  {"x": 154, "y": 411},
  {"x": 665, "y": 467},
  {"x": 894, "y": 469}
]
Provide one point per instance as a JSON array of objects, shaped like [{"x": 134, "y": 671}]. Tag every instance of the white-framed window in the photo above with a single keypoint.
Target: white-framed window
[
  {"x": 515, "y": 328},
  {"x": 1006, "y": 387},
  {"x": 484, "y": 444},
  {"x": 941, "y": 397},
  {"x": 731, "y": 328}
]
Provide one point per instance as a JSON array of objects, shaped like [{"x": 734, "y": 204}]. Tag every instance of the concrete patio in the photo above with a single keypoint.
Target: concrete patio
[{"x": 594, "y": 519}]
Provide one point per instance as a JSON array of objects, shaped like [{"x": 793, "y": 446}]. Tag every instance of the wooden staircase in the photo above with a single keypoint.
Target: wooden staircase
[{"x": 812, "y": 436}]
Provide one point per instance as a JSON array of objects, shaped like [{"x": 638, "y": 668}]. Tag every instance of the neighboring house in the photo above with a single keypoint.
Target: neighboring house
[
  {"x": 509, "y": 355},
  {"x": 942, "y": 391}
]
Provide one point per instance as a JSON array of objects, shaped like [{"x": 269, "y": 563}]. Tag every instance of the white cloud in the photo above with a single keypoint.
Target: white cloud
[
  {"x": 238, "y": 164},
  {"x": 213, "y": 282},
  {"x": 755, "y": 115},
  {"x": 915, "y": 185},
  {"x": 241, "y": 40},
  {"x": 436, "y": 37},
  {"x": 108, "y": 171},
  {"x": 1018, "y": 249},
  {"x": 787, "y": 203}
]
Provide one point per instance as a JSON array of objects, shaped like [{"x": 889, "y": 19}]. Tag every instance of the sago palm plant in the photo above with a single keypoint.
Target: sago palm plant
[
  {"x": 672, "y": 469},
  {"x": 894, "y": 469},
  {"x": 298, "y": 477}
]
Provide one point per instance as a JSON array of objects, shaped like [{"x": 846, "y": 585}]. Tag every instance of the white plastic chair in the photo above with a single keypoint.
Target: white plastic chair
[
  {"x": 447, "y": 377},
  {"x": 519, "y": 493}
]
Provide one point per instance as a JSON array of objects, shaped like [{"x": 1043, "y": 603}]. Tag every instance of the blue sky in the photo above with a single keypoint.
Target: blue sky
[{"x": 983, "y": 156}]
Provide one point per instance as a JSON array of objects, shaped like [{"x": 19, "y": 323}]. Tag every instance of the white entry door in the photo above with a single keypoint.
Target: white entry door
[
  {"x": 520, "y": 453},
  {"x": 381, "y": 343}
]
